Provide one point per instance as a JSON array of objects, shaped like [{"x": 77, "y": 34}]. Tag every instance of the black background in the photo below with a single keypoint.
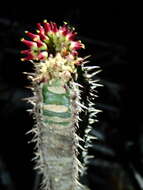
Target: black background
[{"x": 106, "y": 30}]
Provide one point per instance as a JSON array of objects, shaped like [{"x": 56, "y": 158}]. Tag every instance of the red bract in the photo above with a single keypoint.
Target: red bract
[
  {"x": 34, "y": 37},
  {"x": 25, "y": 52},
  {"x": 41, "y": 44},
  {"x": 40, "y": 28},
  {"x": 51, "y": 39},
  {"x": 47, "y": 26},
  {"x": 64, "y": 30},
  {"x": 29, "y": 57},
  {"x": 54, "y": 27},
  {"x": 30, "y": 44},
  {"x": 75, "y": 45},
  {"x": 43, "y": 37},
  {"x": 71, "y": 35}
]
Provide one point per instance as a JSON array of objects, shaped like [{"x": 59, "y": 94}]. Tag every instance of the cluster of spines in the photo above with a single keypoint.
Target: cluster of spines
[
  {"x": 77, "y": 165},
  {"x": 89, "y": 73},
  {"x": 39, "y": 158}
]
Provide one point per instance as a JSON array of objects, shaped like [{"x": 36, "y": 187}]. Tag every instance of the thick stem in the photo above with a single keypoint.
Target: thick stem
[{"x": 57, "y": 114}]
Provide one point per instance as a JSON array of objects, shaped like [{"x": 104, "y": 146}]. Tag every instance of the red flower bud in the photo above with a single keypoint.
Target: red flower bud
[
  {"x": 43, "y": 37},
  {"x": 29, "y": 57},
  {"x": 32, "y": 36},
  {"x": 41, "y": 44},
  {"x": 40, "y": 28},
  {"x": 64, "y": 30},
  {"x": 71, "y": 35},
  {"x": 76, "y": 45},
  {"x": 25, "y": 51},
  {"x": 54, "y": 27},
  {"x": 30, "y": 44},
  {"x": 47, "y": 27}
]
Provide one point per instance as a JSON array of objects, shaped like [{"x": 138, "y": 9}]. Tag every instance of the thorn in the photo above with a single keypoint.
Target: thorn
[
  {"x": 87, "y": 130},
  {"x": 79, "y": 138},
  {"x": 29, "y": 110},
  {"x": 92, "y": 115},
  {"x": 28, "y": 87},
  {"x": 81, "y": 105},
  {"x": 91, "y": 67},
  {"x": 94, "y": 110},
  {"x": 77, "y": 84},
  {"x": 91, "y": 121},
  {"x": 82, "y": 148},
  {"x": 25, "y": 73},
  {"x": 91, "y": 137},
  {"x": 90, "y": 156},
  {"x": 87, "y": 57},
  {"x": 96, "y": 72},
  {"x": 96, "y": 84},
  {"x": 83, "y": 63},
  {"x": 30, "y": 77}
]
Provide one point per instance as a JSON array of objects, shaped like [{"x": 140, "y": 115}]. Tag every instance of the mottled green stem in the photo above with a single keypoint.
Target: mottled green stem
[{"x": 56, "y": 138}]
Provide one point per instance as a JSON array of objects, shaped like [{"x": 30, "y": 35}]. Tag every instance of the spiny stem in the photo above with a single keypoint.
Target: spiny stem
[{"x": 57, "y": 104}]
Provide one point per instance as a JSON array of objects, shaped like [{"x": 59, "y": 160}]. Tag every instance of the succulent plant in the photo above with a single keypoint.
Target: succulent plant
[{"x": 57, "y": 103}]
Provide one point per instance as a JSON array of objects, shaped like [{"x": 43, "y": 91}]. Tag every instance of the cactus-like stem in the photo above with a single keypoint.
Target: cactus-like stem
[{"x": 56, "y": 104}]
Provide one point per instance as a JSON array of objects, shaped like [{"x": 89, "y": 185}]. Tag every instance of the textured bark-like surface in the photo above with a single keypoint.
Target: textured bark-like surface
[
  {"x": 57, "y": 138},
  {"x": 56, "y": 113}
]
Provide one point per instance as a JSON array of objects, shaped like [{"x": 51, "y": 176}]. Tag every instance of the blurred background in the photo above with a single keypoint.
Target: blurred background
[{"x": 118, "y": 151}]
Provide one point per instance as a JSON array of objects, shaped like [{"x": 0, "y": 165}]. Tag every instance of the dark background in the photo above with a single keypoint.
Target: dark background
[{"x": 105, "y": 30}]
